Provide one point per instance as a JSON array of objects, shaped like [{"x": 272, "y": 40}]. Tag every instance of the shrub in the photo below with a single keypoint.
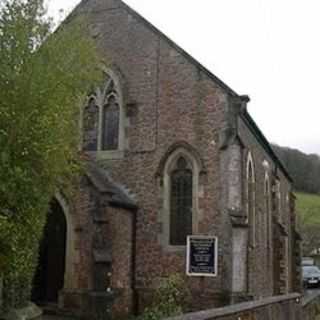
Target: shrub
[{"x": 171, "y": 299}]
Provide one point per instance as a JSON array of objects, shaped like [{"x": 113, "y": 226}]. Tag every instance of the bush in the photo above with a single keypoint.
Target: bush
[{"x": 171, "y": 299}]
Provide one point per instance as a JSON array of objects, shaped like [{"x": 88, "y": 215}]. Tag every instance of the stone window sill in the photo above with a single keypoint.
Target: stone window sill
[
  {"x": 175, "y": 249},
  {"x": 110, "y": 155}
]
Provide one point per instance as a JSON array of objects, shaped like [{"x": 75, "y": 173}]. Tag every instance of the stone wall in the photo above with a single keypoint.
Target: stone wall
[
  {"x": 121, "y": 223},
  {"x": 269, "y": 264},
  {"x": 169, "y": 101},
  {"x": 100, "y": 256},
  {"x": 276, "y": 308},
  {"x": 84, "y": 249}
]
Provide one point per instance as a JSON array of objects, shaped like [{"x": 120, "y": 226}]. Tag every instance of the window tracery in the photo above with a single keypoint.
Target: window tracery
[{"x": 103, "y": 120}]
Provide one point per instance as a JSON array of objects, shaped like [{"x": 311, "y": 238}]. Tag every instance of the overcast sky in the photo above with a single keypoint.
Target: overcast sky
[{"x": 268, "y": 49}]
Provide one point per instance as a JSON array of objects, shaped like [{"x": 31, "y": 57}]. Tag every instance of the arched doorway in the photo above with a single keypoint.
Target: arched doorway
[{"x": 49, "y": 277}]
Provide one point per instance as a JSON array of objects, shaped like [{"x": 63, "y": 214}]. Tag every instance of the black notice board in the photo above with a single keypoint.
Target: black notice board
[{"x": 202, "y": 256}]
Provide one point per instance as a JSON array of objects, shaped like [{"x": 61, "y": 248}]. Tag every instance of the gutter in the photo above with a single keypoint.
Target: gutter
[{"x": 245, "y": 116}]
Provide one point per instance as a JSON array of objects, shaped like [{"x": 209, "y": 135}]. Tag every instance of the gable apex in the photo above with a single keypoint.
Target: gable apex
[
  {"x": 98, "y": 5},
  {"x": 103, "y": 5},
  {"x": 178, "y": 49}
]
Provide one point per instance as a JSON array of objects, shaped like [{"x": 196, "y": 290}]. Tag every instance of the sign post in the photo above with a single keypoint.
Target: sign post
[{"x": 202, "y": 256}]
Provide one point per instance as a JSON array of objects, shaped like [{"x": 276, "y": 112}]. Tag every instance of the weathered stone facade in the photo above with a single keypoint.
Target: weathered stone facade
[{"x": 170, "y": 105}]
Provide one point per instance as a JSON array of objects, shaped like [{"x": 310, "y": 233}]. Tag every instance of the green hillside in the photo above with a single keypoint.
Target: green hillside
[
  {"x": 303, "y": 168},
  {"x": 308, "y": 208}
]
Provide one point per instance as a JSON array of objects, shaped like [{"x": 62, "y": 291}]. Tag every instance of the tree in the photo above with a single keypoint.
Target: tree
[
  {"x": 303, "y": 168},
  {"x": 44, "y": 77}
]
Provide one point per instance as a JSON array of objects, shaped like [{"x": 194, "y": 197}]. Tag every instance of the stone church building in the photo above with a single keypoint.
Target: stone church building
[{"x": 172, "y": 151}]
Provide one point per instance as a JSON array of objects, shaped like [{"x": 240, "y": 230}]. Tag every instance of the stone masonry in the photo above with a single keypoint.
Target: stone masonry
[{"x": 170, "y": 104}]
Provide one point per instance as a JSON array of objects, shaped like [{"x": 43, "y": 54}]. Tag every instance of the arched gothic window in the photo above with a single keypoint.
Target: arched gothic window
[
  {"x": 276, "y": 198},
  {"x": 279, "y": 199},
  {"x": 180, "y": 195},
  {"x": 268, "y": 212},
  {"x": 103, "y": 119},
  {"x": 111, "y": 113},
  {"x": 110, "y": 117},
  {"x": 180, "y": 202},
  {"x": 251, "y": 199},
  {"x": 90, "y": 125}
]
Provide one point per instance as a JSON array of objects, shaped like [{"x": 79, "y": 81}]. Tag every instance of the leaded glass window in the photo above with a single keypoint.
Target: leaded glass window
[
  {"x": 103, "y": 118},
  {"x": 111, "y": 115},
  {"x": 180, "y": 203},
  {"x": 90, "y": 126}
]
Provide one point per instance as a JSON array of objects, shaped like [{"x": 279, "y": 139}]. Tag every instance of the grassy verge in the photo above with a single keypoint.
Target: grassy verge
[{"x": 308, "y": 208}]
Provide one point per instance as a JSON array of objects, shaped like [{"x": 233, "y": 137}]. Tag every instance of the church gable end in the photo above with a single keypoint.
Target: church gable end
[{"x": 171, "y": 155}]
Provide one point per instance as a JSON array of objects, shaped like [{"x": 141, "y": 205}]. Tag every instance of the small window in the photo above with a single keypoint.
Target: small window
[{"x": 180, "y": 203}]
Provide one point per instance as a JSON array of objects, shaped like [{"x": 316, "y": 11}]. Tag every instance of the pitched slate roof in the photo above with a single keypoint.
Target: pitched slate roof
[
  {"x": 251, "y": 124},
  {"x": 117, "y": 196}
]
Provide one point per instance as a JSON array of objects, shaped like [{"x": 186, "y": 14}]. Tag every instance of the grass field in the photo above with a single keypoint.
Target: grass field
[{"x": 308, "y": 208}]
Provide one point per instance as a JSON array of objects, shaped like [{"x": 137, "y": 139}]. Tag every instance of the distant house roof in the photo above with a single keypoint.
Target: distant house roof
[{"x": 249, "y": 120}]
